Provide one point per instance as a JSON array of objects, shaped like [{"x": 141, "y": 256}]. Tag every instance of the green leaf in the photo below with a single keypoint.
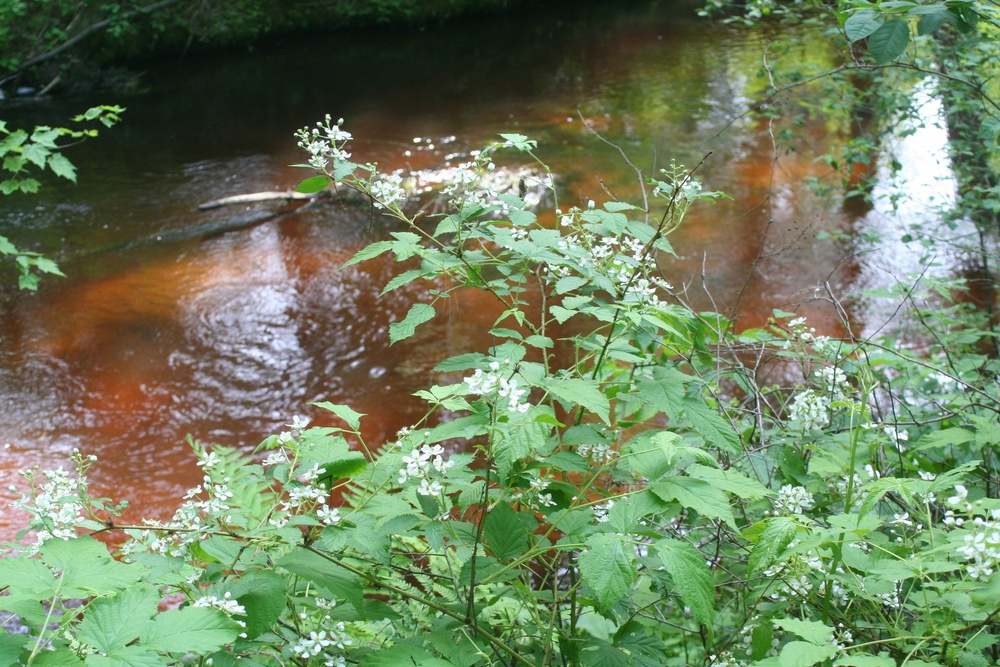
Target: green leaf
[
  {"x": 11, "y": 647},
  {"x": 262, "y": 594},
  {"x": 606, "y": 568},
  {"x": 402, "y": 279},
  {"x": 336, "y": 580},
  {"x": 889, "y": 41},
  {"x": 863, "y": 23},
  {"x": 349, "y": 465},
  {"x": 35, "y": 154},
  {"x": 60, "y": 657},
  {"x": 698, "y": 495},
  {"x": 189, "y": 630},
  {"x": 812, "y": 631},
  {"x": 626, "y": 515},
  {"x": 519, "y": 141},
  {"x": 805, "y": 654},
  {"x": 857, "y": 660},
  {"x": 313, "y": 184},
  {"x": 569, "y": 283},
  {"x": 114, "y": 622},
  {"x": 505, "y": 533},
  {"x": 342, "y": 169},
  {"x": 586, "y": 393},
  {"x": 729, "y": 481},
  {"x": 417, "y": 315},
  {"x": 692, "y": 578},
  {"x": 777, "y": 534},
  {"x": 345, "y": 412},
  {"x": 61, "y": 166},
  {"x": 88, "y": 569},
  {"x": 665, "y": 391},
  {"x": 405, "y": 653},
  {"x": 369, "y": 252},
  {"x": 129, "y": 656},
  {"x": 28, "y": 576}
]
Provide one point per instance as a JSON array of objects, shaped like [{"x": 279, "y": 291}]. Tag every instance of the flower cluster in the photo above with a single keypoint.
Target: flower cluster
[
  {"x": 57, "y": 504},
  {"x": 792, "y": 500},
  {"x": 427, "y": 464},
  {"x": 495, "y": 382},
  {"x": 386, "y": 190},
  {"x": 324, "y": 142},
  {"x": 981, "y": 541},
  {"x": 326, "y": 634}
]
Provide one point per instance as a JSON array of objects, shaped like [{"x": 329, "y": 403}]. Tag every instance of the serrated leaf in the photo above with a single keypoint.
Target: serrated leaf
[
  {"x": 811, "y": 631},
  {"x": 129, "y": 656},
  {"x": 626, "y": 515},
  {"x": 402, "y": 653},
  {"x": 370, "y": 251},
  {"x": 345, "y": 412},
  {"x": 262, "y": 594},
  {"x": 87, "y": 567},
  {"x": 313, "y": 184},
  {"x": 114, "y": 622},
  {"x": 342, "y": 169},
  {"x": 665, "y": 392},
  {"x": 698, "y": 495},
  {"x": 606, "y": 568},
  {"x": 60, "y": 657},
  {"x": 505, "y": 534},
  {"x": 889, "y": 41},
  {"x": 586, "y": 393},
  {"x": 11, "y": 647},
  {"x": 857, "y": 660},
  {"x": 777, "y": 534},
  {"x": 402, "y": 279},
  {"x": 805, "y": 654},
  {"x": 61, "y": 166},
  {"x": 569, "y": 283},
  {"x": 351, "y": 464},
  {"x": 336, "y": 580},
  {"x": 729, "y": 480},
  {"x": 561, "y": 314},
  {"x": 692, "y": 578},
  {"x": 417, "y": 315},
  {"x": 189, "y": 630},
  {"x": 863, "y": 23},
  {"x": 35, "y": 154}
]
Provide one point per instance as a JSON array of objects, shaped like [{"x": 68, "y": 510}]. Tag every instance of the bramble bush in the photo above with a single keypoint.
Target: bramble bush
[{"x": 612, "y": 483}]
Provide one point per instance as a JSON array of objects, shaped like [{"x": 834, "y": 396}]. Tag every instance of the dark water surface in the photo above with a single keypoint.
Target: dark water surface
[{"x": 159, "y": 331}]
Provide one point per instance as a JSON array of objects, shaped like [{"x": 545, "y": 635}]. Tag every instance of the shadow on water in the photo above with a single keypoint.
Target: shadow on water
[{"x": 226, "y": 324}]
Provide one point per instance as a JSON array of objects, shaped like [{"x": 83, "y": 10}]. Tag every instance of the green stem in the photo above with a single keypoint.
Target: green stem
[{"x": 496, "y": 642}]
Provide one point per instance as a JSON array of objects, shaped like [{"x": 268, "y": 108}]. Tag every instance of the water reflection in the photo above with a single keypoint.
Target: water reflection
[{"x": 225, "y": 324}]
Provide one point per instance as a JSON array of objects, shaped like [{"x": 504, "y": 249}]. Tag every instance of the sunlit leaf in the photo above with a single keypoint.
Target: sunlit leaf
[{"x": 313, "y": 185}]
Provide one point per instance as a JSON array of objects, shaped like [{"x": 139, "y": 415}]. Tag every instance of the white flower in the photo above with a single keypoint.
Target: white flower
[
  {"x": 328, "y": 515},
  {"x": 961, "y": 493},
  {"x": 793, "y": 500}
]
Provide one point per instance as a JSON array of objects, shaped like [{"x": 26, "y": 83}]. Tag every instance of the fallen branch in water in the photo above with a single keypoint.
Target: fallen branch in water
[{"x": 253, "y": 197}]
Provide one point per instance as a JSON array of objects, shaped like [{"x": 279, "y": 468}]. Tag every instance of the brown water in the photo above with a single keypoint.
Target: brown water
[{"x": 159, "y": 332}]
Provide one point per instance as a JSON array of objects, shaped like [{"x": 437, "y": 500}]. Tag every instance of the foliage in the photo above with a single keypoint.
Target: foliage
[
  {"x": 42, "y": 40},
  {"x": 611, "y": 483},
  {"x": 23, "y": 153}
]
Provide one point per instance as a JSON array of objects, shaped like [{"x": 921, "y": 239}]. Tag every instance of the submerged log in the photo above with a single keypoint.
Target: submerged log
[{"x": 254, "y": 197}]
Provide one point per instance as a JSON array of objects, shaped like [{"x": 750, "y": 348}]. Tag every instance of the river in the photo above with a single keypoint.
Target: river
[{"x": 161, "y": 330}]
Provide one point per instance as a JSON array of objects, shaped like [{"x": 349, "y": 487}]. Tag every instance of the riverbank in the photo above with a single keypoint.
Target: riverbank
[{"x": 68, "y": 47}]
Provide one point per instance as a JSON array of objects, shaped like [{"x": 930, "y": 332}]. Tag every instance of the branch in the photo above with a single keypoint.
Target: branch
[{"x": 90, "y": 30}]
